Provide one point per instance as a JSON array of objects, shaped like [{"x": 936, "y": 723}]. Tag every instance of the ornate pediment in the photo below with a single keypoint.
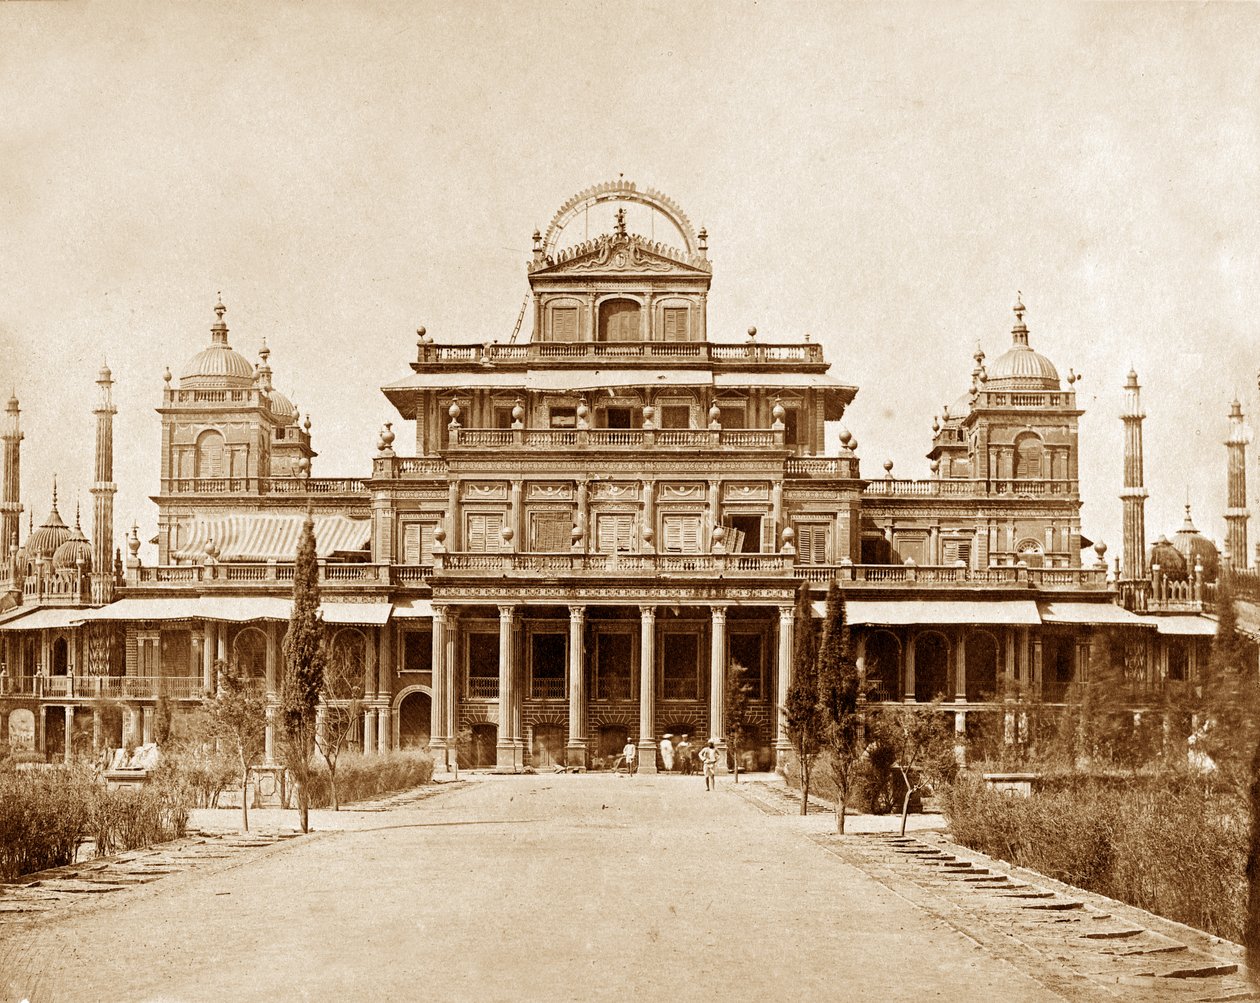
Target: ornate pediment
[{"x": 617, "y": 253}]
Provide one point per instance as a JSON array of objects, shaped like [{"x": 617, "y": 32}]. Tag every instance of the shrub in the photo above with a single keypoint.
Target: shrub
[
  {"x": 1165, "y": 844},
  {"x": 360, "y": 778}
]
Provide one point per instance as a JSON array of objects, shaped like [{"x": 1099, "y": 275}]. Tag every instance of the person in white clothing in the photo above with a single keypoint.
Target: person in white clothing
[
  {"x": 708, "y": 756},
  {"x": 628, "y": 754},
  {"x": 667, "y": 753}
]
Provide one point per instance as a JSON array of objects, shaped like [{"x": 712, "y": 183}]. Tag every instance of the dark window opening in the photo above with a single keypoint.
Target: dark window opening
[
  {"x": 503, "y": 416},
  {"x": 613, "y": 666},
  {"x": 743, "y": 534},
  {"x": 616, "y": 417},
  {"x": 791, "y": 430},
  {"x": 746, "y": 650},
  {"x": 680, "y": 667},
  {"x": 483, "y": 665},
  {"x": 548, "y": 661},
  {"x": 675, "y": 416},
  {"x": 417, "y": 651},
  {"x": 732, "y": 416}
]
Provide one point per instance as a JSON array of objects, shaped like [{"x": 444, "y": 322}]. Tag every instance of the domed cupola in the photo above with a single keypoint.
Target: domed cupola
[
  {"x": 1196, "y": 548},
  {"x": 43, "y": 542},
  {"x": 280, "y": 405},
  {"x": 217, "y": 366},
  {"x": 1172, "y": 563},
  {"x": 1019, "y": 367},
  {"x": 67, "y": 556}
]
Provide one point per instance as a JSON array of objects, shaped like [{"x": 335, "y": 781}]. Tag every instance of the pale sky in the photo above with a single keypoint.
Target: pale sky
[{"x": 882, "y": 177}]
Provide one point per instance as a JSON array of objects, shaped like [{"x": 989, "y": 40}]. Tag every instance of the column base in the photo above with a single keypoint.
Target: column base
[
  {"x": 647, "y": 757},
  {"x": 441, "y": 759},
  {"x": 575, "y": 756},
  {"x": 507, "y": 758}
]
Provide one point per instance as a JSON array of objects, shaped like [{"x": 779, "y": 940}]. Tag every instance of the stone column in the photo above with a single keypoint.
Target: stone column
[
  {"x": 269, "y": 736},
  {"x": 96, "y": 729},
  {"x": 506, "y": 747},
  {"x": 369, "y": 667},
  {"x": 452, "y": 683},
  {"x": 909, "y": 680},
  {"x": 717, "y": 684},
  {"x": 385, "y": 664},
  {"x": 438, "y": 732},
  {"x": 383, "y": 736},
  {"x": 960, "y": 668},
  {"x": 783, "y": 679},
  {"x": 221, "y": 648},
  {"x": 147, "y": 725},
  {"x": 647, "y": 689},
  {"x": 207, "y": 655},
  {"x": 575, "y": 754},
  {"x": 69, "y": 733},
  {"x": 369, "y": 731}
]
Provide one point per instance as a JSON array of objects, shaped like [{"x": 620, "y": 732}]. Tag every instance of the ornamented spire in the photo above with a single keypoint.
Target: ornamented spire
[
  {"x": 1019, "y": 333},
  {"x": 219, "y": 330}
]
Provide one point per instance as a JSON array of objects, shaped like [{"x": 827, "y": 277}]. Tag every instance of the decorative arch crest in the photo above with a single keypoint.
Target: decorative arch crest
[{"x": 620, "y": 191}]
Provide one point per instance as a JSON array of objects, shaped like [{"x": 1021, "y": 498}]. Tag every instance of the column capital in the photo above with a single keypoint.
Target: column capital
[
  {"x": 647, "y": 612},
  {"x": 439, "y": 613},
  {"x": 507, "y": 612},
  {"x": 719, "y": 614},
  {"x": 577, "y": 612},
  {"x": 787, "y": 614}
]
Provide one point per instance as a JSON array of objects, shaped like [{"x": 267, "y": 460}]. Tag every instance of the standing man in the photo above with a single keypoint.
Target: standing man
[
  {"x": 708, "y": 756},
  {"x": 629, "y": 753}
]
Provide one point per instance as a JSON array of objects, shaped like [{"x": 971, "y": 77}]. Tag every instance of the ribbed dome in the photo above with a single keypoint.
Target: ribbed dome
[
  {"x": 1019, "y": 367},
  {"x": 1196, "y": 548},
  {"x": 43, "y": 543},
  {"x": 218, "y": 365},
  {"x": 66, "y": 557},
  {"x": 1172, "y": 563},
  {"x": 281, "y": 406}
]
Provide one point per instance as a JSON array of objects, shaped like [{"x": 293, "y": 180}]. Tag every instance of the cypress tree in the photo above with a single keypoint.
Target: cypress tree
[
  {"x": 304, "y": 658},
  {"x": 801, "y": 711},
  {"x": 838, "y": 685}
]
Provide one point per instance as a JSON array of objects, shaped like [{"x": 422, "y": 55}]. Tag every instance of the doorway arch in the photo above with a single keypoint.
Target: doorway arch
[
  {"x": 619, "y": 320},
  {"x": 931, "y": 666},
  {"x": 414, "y": 710}
]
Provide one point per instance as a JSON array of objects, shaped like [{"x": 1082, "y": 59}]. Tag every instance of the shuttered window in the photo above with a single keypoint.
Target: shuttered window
[
  {"x": 682, "y": 534},
  {"x": 418, "y": 543},
  {"x": 614, "y": 531},
  {"x": 550, "y": 531},
  {"x": 564, "y": 324},
  {"x": 811, "y": 543},
  {"x": 483, "y": 532},
  {"x": 676, "y": 327},
  {"x": 955, "y": 551}
]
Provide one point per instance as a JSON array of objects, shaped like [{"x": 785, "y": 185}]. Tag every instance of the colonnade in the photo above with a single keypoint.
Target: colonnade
[{"x": 510, "y": 742}]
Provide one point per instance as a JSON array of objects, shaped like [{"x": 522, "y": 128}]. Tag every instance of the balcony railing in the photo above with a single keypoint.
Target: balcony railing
[
  {"x": 483, "y": 687},
  {"x": 587, "y": 351},
  {"x": 952, "y": 574},
  {"x": 614, "y": 438},
  {"x": 264, "y": 485},
  {"x": 72, "y": 687},
  {"x": 277, "y": 573},
  {"x": 547, "y": 689},
  {"x": 619, "y": 563},
  {"x": 947, "y": 487}
]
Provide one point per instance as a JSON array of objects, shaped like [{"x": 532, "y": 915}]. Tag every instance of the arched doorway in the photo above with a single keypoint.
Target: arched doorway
[
  {"x": 60, "y": 657},
  {"x": 250, "y": 651},
  {"x": 210, "y": 450},
  {"x": 931, "y": 667},
  {"x": 612, "y": 739},
  {"x": 1029, "y": 457},
  {"x": 415, "y": 716},
  {"x": 484, "y": 738},
  {"x": 883, "y": 667},
  {"x": 548, "y": 746},
  {"x": 1057, "y": 664},
  {"x": 619, "y": 320},
  {"x": 982, "y": 672}
]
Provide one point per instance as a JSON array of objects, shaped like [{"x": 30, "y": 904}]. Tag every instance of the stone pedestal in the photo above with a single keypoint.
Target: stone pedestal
[{"x": 647, "y": 757}]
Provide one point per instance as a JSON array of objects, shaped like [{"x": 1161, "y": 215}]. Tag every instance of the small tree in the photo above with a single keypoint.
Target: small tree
[
  {"x": 162, "y": 714},
  {"x": 924, "y": 748},
  {"x": 304, "y": 658},
  {"x": 343, "y": 696},
  {"x": 1230, "y": 703},
  {"x": 738, "y": 725},
  {"x": 801, "y": 712},
  {"x": 238, "y": 719},
  {"x": 838, "y": 685}
]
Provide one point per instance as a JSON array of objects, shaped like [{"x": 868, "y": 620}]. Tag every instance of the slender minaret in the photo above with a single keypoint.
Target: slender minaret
[
  {"x": 103, "y": 490},
  {"x": 1133, "y": 497},
  {"x": 1236, "y": 513},
  {"x": 11, "y": 506}
]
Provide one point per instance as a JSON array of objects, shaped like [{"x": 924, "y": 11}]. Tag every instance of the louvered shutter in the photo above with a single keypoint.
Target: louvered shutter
[
  {"x": 682, "y": 534},
  {"x": 676, "y": 324},
  {"x": 485, "y": 532},
  {"x": 564, "y": 322},
  {"x": 811, "y": 544},
  {"x": 613, "y": 531},
  {"x": 551, "y": 531},
  {"x": 411, "y": 543}
]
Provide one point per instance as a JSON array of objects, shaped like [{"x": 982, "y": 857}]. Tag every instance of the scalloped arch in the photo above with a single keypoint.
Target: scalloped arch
[{"x": 620, "y": 191}]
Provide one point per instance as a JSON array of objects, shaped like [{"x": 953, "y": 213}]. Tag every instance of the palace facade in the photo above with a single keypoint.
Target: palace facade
[{"x": 592, "y": 527}]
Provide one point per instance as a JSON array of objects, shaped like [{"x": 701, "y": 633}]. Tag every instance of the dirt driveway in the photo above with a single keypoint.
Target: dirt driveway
[{"x": 519, "y": 888}]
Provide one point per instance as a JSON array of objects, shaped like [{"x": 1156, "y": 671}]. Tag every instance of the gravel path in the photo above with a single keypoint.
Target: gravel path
[{"x": 518, "y": 888}]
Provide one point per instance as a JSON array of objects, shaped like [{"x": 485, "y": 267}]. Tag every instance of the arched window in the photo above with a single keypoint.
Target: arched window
[
  {"x": 982, "y": 666},
  {"x": 931, "y": 666},
  {"x": 345, "y": 671},
  {"x": 250, "y": 651},
  {"x": 1030, "y": 457},
  {"x": 883, "y": 667},
  {"x": 619, "y": 321},
  {"x": 210, "y": 454},
  {"x": 1031, "y": 553}
]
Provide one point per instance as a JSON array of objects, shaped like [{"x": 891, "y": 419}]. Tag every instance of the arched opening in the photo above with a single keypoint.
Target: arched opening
[
  {"x": 883, "y": 667},
  {"x": 612, "y": 739},
  {"x": 1031, "y": 553},
  {"x": 931, "y": 667},
  {"x": 1029, "y": 457},
  {"x": 1057, "y": 658},
  {"x": 60, "y": 657},
  {"x": 548, "y": 746},
  {"x": 249, "y": 650},
  {"x": 619, "y": 320},
  {"x": 982, "y": 670},
  {"x": 210, "y": 450},
  {"x": 1178, "y": 659},
  {"x": 484, "y": 738},
  {"x": 415, "y": 717},
  {"x": 344, "y": 673}
]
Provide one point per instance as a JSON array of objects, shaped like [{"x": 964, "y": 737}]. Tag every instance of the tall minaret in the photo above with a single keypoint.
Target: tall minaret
[
  {"x": 1236, "y": 513},
  {"x": 1133, "y": 497},
  {"x": 11, "y": 506},
  {"x": 103, "y": 490}
]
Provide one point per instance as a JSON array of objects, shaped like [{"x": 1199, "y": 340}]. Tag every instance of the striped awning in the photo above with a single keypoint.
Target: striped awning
[
  {"x": 920, "y": 612},
  {"x": 1097, "y": 613},
  {"x": 233, "y": 609},
  {"x": 264, "y": 536},
  {"x": 45, "y": 619}
]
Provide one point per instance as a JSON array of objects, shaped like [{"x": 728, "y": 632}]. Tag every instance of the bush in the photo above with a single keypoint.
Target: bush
[
  {"x": 1167, "y": 845},
  {"x": 48, "y": 812},
  {"x": 360, "y": 778}
]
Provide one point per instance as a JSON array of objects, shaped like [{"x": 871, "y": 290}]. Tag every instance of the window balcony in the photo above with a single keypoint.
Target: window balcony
[
  {"x": 599, "y": 351},
  {"x": 617, "y": 438}
]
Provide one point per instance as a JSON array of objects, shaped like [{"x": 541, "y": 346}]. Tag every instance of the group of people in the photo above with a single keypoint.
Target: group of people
[{"x": 680, "y": 754}]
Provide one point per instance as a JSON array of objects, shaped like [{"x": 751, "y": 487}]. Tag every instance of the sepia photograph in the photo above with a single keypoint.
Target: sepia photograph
[{"x": 629, "y": 500}]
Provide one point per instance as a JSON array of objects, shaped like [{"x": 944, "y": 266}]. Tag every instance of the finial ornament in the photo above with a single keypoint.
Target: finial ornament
[
  {"x": 1019, "y": 306},
  {"x": 621, "y": 221}
]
